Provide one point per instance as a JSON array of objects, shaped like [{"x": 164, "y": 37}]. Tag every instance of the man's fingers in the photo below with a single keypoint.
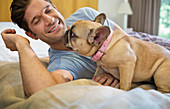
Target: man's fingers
[
  {"x": 108, "y": 81},
  {"x": 8, "y": 31},
  {"x": 98, "y": 77},
  {"x": 102, "y": 80},
  {"x": 116, "y": 81},
  {"x": 13, "y": 31}
]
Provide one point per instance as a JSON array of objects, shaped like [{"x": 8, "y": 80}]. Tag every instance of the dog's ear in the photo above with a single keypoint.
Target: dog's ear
[
  {"x": 100, "y": 18},
  {"x": 99, "y": 35}
]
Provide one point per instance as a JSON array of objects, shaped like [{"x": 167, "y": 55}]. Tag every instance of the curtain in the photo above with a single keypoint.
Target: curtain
[{"x": 145, "y": 16}]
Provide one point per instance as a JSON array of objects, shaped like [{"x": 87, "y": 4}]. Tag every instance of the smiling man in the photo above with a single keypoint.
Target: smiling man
[{"x": 41, "y": 20}]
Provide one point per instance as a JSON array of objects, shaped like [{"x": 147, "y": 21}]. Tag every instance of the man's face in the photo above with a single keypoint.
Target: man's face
[{"x": 45, "y": 21}]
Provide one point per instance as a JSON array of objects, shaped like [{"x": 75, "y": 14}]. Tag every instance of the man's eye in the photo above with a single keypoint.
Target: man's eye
[
  {"x": 48, "y": 11},
  {"x": 36, "y": 22}
]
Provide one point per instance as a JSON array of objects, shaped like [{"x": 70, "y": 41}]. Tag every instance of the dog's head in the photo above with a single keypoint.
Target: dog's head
[{"x": 85, "y": 37}]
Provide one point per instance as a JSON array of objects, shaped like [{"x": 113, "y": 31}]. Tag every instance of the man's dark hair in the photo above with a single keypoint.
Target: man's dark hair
[{"x": 18, "y": 8}]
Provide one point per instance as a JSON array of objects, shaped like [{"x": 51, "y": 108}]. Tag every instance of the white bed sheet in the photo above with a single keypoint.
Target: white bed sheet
[{"x": 39, "y": 47}]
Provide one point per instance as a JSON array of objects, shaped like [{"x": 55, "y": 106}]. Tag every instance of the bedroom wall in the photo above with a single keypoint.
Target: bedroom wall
[
  {"x": 4, "y": 10},
  {"x": 67, "y": 7}
]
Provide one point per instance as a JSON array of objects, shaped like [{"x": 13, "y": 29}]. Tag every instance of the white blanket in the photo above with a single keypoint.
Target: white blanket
[
  {"x": 101, "y": 97},
  {"x": 78, "y": 94}
]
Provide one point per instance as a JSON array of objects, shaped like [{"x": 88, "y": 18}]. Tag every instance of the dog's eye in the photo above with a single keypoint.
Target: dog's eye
[{"x": 74, "y": 35}]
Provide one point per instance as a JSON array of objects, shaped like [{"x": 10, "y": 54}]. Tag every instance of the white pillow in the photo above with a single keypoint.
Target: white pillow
[{"x": 39, "y": 47}]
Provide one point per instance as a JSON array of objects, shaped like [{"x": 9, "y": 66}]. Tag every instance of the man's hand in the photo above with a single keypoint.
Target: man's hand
[
  {"x": 11, "y": 39},
  {"x": 106, "y": 79}
]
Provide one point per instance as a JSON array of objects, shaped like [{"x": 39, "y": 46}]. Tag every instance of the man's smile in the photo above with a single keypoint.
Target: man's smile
[{"x": 56, "y": 26}]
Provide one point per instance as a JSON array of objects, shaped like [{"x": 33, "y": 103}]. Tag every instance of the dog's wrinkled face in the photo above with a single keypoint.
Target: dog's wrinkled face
[{"x": 86, "y": 35}]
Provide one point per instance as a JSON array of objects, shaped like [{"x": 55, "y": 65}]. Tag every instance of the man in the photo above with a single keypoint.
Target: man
[{"x": 41, "y": 20}]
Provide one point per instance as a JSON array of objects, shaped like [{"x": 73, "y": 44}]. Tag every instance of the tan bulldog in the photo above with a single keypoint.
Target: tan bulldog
[{"x": 125, "y": 57}]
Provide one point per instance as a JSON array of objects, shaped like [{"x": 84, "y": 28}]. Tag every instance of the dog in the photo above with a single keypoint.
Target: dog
[{"x": 125, "y": 57}]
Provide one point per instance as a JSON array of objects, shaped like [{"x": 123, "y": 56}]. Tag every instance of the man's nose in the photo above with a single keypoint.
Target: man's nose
[{"x": 48, "y": 19}]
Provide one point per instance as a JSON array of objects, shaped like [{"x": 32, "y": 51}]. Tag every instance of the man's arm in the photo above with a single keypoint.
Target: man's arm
[{"x": 34, "y": 74}]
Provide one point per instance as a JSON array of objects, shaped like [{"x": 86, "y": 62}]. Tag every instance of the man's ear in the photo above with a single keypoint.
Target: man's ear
[
  {"x": 100, "y": 18},
  {"x": 31, "y": 35},
  {"x": 99, "y": 35}
]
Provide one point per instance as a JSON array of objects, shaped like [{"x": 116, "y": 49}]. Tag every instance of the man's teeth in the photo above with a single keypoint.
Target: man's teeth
[{"x": 55, "y": 26}]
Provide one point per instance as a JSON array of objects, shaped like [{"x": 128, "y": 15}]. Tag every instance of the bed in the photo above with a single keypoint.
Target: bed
[{"x": 78, "y": 94}]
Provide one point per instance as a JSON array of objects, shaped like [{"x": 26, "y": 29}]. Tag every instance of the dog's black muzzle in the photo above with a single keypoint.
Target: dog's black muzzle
[{"x": 65, "y": 39}]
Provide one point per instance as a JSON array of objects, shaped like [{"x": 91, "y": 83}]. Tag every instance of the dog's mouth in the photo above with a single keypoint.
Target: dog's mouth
[
  {"x": 68, "y": 36},
  {"x": 66, "y": 40}
]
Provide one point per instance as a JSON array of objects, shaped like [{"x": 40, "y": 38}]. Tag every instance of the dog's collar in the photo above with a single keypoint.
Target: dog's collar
[{"x": 103, "y": 48}]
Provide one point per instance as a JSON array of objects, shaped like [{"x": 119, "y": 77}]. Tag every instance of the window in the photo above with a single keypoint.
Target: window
[{"x": 164, "y": 21}]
